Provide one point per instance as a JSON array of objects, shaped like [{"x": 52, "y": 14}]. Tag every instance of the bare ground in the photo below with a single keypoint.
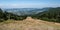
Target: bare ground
[{"x": 29, "y": 24}]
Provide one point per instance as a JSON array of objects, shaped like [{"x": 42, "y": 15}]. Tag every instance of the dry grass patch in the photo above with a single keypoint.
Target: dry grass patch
[{"x": 29, "y": 24}]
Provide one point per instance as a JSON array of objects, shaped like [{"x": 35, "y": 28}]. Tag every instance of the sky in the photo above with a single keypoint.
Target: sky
[{"x": 29, "y": 3}]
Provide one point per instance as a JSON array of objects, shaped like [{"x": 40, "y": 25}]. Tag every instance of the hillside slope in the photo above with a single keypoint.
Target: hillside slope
[{"x": 29, "y": 24}]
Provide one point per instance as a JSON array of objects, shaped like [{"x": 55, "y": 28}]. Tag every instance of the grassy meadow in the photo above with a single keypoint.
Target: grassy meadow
[{"x": 29, "y": 24}]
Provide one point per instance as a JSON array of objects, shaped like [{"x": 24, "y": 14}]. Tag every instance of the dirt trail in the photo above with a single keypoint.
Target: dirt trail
[{"x": 30, "y": 24}]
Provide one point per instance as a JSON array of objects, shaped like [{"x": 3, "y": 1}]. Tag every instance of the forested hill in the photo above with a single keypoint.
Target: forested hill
[
  {"x": 52, "y": 14},
  {"x": 6, "y": 15},
  {"x": 25, "y": 11}
]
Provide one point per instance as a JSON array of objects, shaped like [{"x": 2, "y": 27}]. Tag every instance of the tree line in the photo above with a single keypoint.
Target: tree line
[
  {"x": 6, "y": 15},
  {"x": 51, "y": 15}
]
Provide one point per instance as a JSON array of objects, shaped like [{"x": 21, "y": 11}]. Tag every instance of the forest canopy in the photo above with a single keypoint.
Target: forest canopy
[
  {"x": 6, "y": 15},
  {"x": 52, "y": 14}
]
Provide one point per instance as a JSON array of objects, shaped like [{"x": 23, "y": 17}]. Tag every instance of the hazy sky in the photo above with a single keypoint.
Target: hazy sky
[{"x": 29, "y": 3}]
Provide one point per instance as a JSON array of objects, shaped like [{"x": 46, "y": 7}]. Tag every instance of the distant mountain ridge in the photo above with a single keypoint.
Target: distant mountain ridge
[{"x": 25, "y": 11}]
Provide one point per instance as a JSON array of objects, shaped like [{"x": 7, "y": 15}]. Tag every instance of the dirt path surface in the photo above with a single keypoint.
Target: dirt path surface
[{"x": 29, "y": 24}]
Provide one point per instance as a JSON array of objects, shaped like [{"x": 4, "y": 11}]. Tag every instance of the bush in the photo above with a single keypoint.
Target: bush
[{"x": 52, "y": 15}]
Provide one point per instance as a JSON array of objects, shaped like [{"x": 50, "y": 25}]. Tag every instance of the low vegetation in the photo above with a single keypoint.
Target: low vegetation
[
  {"x": 51, "y": 15},
  {"x": 6, "y": 15},
  {"x": 9, "y": 21},
  {"x": 29, "y": 24}
]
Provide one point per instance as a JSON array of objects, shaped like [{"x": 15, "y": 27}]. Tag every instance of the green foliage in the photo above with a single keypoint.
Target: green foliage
[
  {"x": 3, "y": 16},
  {"x": 6, "y": 15},
  {"x": 52, "y": 15}
]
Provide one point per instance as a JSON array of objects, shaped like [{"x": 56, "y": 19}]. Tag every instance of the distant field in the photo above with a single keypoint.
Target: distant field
[{"x": 29, "y": 24}]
